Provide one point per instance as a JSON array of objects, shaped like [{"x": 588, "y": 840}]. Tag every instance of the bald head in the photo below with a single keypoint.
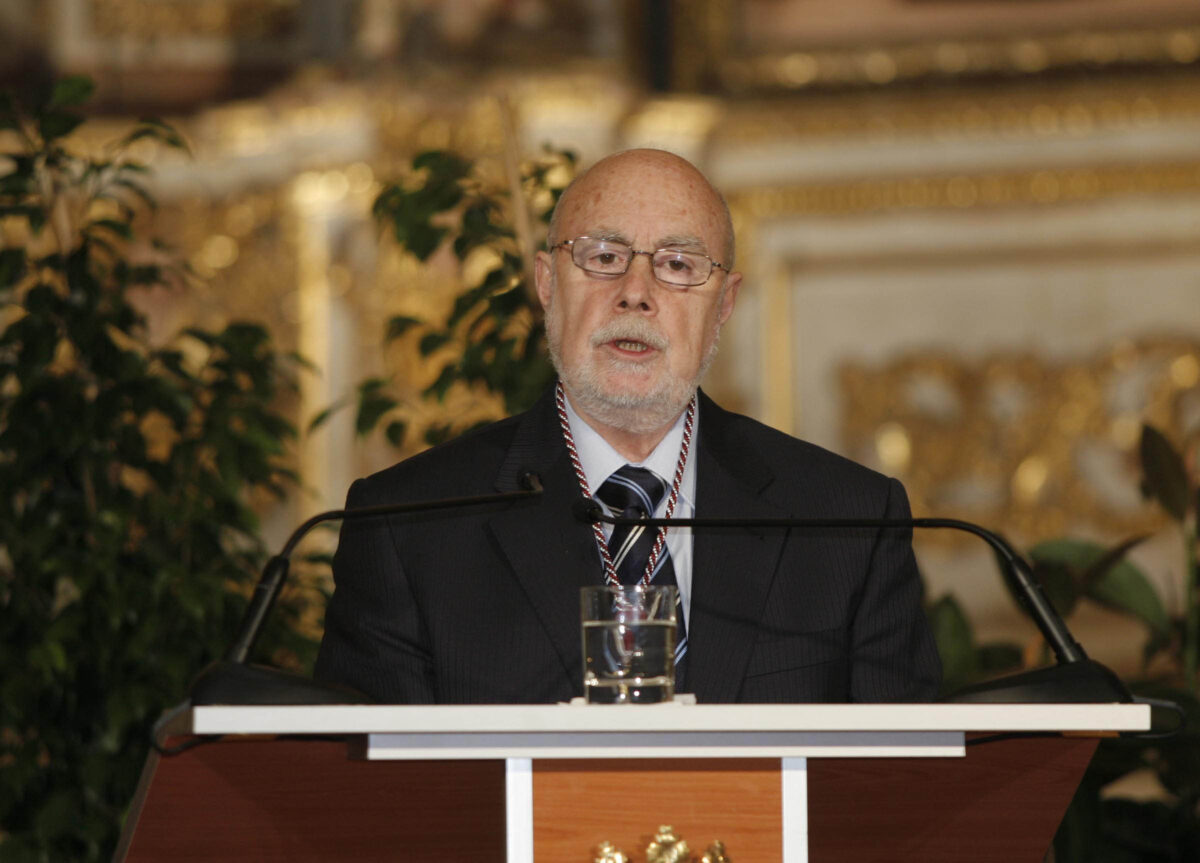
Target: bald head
[
  {"x": 629, "y": 346},
  {"x": 630, "y": 166}
]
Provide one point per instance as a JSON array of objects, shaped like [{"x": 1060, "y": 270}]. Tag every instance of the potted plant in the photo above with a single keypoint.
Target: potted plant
[{"x": 127, "y": 533}]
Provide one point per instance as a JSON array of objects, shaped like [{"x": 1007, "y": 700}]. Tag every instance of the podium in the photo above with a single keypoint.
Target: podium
[{"x": 864, "y": 782}]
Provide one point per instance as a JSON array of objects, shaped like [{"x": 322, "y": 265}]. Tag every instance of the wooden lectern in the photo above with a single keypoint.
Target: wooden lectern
[{"x": 844, "y": 783}]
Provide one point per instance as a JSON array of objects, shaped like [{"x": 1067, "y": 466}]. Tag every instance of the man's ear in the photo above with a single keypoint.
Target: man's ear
[
  {"x": 733, "y": 283},
  {"x": 543, "y": 277}
]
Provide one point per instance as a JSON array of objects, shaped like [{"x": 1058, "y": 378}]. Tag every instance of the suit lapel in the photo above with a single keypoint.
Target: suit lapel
[
  {"x": 551, "y": 553},
  {"x": 733, "y": 569}
]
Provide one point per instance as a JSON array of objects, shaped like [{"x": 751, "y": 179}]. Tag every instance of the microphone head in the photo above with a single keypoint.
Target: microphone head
[{"x": 587, "y": 510}]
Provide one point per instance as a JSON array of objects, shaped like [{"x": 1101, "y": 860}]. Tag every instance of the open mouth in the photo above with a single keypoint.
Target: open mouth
[{"x": 630, "y": 339}]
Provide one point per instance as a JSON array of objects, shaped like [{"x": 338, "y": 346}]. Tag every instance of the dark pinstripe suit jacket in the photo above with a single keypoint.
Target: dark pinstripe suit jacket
[{"x": 483, "y": 606}]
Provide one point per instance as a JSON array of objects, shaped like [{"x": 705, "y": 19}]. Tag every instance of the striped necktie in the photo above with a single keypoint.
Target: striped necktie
[{"x": 635, "y": 492}]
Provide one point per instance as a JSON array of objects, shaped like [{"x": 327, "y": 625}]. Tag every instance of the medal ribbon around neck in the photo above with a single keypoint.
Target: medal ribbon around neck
[{"x": 610, "y": 571}]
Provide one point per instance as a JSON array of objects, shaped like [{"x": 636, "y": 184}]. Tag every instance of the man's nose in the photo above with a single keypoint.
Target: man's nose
[{"x": 639, "y": 284}]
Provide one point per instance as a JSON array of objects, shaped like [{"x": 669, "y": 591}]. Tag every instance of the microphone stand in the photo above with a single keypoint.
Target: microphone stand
[
  {"x": 232, "y": 680},
  {"x": 1075, "y": 678}
]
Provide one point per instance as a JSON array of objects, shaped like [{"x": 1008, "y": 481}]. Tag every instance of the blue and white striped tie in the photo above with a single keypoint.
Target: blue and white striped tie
[{"x": 635, "y": 492}]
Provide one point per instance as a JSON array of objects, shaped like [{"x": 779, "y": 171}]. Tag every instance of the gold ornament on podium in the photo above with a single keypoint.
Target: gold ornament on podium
[
  {"x": 665, "y": 847},
  {"x": 606, "y": 852}
]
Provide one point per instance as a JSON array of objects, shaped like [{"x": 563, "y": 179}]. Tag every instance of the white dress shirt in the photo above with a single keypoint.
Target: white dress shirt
[{"x": 600, "y": 461}]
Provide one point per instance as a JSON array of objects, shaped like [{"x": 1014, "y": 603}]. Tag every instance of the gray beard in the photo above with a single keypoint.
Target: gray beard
[{"x": 636, "y": 413}]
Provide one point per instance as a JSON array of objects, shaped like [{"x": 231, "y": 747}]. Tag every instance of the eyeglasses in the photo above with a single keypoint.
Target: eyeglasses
[{"x": 673, "y": 267}]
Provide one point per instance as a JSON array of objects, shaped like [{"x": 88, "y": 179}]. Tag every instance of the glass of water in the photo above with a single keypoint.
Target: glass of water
[{"x": 628, "y": 644}]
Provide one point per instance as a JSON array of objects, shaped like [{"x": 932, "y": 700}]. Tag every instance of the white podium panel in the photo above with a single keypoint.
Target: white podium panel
[{"x": 516, "y": 723}]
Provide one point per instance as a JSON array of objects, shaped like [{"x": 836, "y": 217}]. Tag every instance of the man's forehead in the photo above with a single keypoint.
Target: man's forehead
[
  {"x": 649, "y": 199},
  {"x": 643, "y": 219},
  {"x": 662, "y": 241}
]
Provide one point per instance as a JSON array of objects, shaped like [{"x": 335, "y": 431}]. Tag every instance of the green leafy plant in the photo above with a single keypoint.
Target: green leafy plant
[
  {"x": 127, "y": 534},
  {"x": 964, "y": 659},
  {"x": 493, "y": 337},
  {"x": 1100, "y": 828}
]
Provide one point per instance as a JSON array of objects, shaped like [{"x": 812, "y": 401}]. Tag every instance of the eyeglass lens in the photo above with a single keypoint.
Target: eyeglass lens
[{"x": 612, "y": 258}]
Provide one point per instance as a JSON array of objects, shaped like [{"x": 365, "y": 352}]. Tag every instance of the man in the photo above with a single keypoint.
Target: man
[{"x": 483, "y": 606}]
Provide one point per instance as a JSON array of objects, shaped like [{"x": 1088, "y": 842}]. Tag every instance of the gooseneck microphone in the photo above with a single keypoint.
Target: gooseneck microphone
[
  {"x": 232, "y": 680},
  {"x": 1074, "y": 679}
]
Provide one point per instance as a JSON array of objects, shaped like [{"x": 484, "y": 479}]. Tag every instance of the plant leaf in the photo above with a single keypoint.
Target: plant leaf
[
  {"x": 422, "y": 239},
  {"x": 121, "y": 229},
  {"x": 57, "y": 125},
  {"x": 17, "y": 181},
  {"x": 138, "y": 190},
  {"x": 1125, "y": 588},
  {"x": 399, "y": 325},
  {"x": 430, "y": 342},
  {"x": 71, "y": 90},
  {"x": 1110, "y": 557},
  {"x": 1106, "y": 578},
  {"x": 372, "y": 405},
  {"x": 322, "y": 417},
  {"x": 1164, "y": 474},
  {"x": 162, "y": 131},
  {"x": 442, "y": 384},
  {"x": 442, "y": 163},
  {"x": 1059, "y": 583},
  {"x": 438, "y": 433},
  {"x": 12, "y": 267},
  {"x": 955, "y": 640},
  {"x": 395, "y": 432}
]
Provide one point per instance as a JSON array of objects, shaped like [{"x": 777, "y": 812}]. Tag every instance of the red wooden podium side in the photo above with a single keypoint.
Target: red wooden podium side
[
  {"x": 1003, "y": 802},
  {"x": 277, "y": 799},
  {"x": 299, "y": 800}
]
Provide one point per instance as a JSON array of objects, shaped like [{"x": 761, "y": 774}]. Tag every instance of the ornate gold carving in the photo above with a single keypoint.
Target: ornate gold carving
[
  {"x": 1070, "y": 110},
  {"x": 956, "y": 59},
  {"x": 1035, "y": 446},
  {"x": 665, "y": 847},
  {"x": 606, "y": 852},
  {"x": 1042, "y": 187}
]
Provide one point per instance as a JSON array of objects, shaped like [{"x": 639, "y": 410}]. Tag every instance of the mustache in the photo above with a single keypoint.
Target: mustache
[{"x": 632, "y": 329}]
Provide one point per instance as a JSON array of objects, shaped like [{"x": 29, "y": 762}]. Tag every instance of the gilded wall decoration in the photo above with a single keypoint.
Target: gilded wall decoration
[
  {"x": 1038, "y": 188},
  {"x": 740, "y": 47},
  {"x": 931, "y": 164},
  {"x": 1044, "y": 448},
  {"x": 979, "y": 187},
  {"x": 959, "y": 58},
  {"x": 1067, "y": 110}
]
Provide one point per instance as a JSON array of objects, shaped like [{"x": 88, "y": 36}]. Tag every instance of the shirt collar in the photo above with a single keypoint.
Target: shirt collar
[{"x": 600, "y": 460}]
